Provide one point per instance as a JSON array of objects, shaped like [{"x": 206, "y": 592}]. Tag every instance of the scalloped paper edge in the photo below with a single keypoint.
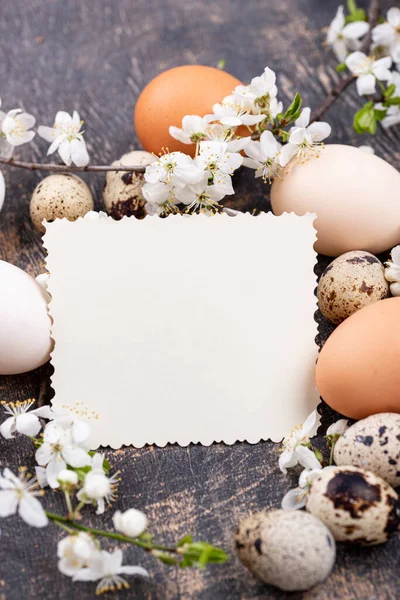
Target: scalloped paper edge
[{"x": 67, "y": 245}]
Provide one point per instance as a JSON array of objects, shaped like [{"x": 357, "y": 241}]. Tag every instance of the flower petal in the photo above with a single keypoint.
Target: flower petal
[
  {"x": 133, "y": 570},
  {"x": 43, "y": 454},
  {"x": 304, "y": 117},
  {"x": 287, "y": 153},
  {"x": 79, "y": 153},
  {"x": 365, "y": 84},
  {"x": 32, "y": 512},
  {"x": 355, "y": 30},
  {"x": 291, "y": 501},
  {"x": 80, "y": 431},
  {"x": 64, "y": 150},
  {"x": 7, "y": 428},
  {"x": 28, "y": 424},
  {"x": 287, "y": 460},
  {"x": 47, "y": 133},
  {"x": 8, "y": 503},
  {"x": 54, "y": 467},
  {"x": 43, "y": 411},
  {"x": 307, "y": 458},
  {"x": 319, "y": 131},
  {"x": 76, "y": 457},
  {"x": 311, "y": 424}
]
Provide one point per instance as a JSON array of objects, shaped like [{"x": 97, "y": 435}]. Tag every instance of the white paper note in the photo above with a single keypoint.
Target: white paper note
[{"x": 184, "y": 329}]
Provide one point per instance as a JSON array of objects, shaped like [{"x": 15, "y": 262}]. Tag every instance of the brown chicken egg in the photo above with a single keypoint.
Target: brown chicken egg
[
  {"x": 358, "y": 369},
  {"x": 186, "y": 90}
]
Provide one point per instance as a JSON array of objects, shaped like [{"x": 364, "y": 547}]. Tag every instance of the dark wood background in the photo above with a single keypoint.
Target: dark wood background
[{"x": 96, "y": 57}]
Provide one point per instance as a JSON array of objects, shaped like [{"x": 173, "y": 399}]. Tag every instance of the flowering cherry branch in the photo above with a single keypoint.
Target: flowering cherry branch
[{"x": 65, "y": 464}]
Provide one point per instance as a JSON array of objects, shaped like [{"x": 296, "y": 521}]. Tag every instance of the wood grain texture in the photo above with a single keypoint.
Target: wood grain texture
[{"x": 96, "y": 57}]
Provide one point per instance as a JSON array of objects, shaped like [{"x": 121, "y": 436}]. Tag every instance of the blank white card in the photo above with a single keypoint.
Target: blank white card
[{"x": 184, "y": 329}]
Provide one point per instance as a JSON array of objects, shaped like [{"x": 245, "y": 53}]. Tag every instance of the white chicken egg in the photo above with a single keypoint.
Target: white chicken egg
[{"x": 25, "y": 342}]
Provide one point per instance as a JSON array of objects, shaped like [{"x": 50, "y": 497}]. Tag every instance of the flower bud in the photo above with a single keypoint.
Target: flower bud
[
  {"x": 96, "y": 485},
  {"x": 68, "y": 477},
  {"x": 131, "y": 522}
]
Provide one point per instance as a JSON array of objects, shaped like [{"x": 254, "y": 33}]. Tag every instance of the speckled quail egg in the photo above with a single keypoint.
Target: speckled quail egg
[
  {"x": 57, "y": 196},
  {"x": 291, "y": 550},
  {"x": 356, "y": 505},
  {"x": 373, "y": 444},
  {"x": 349, "y": 283},
  {"x": 123, "y": 189}
]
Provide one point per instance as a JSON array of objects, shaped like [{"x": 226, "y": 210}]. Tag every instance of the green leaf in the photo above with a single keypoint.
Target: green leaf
[
  {"x": 365, "y": 119},
  {"x": 392, "y": 101},
  {"x": 341, "y": 67},
  {"x": 294, "y": 107},
  {"x": 379, "y": 114},
  {"x": 389, "y": 91},
  {"x": 318, "y": 455},
  {"x": 185, "y": 540},
  {"x": 356, "y": 14},
  {"x": 221, "y": 63},
  {"x": 167, "y": 559},
  {"x": 200, "y": 554}
]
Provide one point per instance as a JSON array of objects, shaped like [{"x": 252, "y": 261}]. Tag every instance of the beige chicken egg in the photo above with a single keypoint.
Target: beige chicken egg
[
  {"x": 123, "y": 189},
  {"x": 343, "y": 187},
  {"x": 350, "y": 282},
  {"x": 60, "y": 195}
]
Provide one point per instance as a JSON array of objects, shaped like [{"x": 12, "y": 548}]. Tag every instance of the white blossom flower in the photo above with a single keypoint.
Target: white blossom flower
[
  {"x": 264, "y": 156},
  {"x": 174, "y": 169},
  {"x": 388, "y": 34},
  {"x": 66, "y": 137},
  {"x": 366, "y": 149},
  {"x": 107, "y": 566},
  {"x": 18, "y": 493},
  {"x": 297, "y": 497},
  {"x": 392, "y": 115},
  {"x": 58, "y": 450},
  {"x": 97, "y": 487},
  {"x": 21, "y": 420},
  {"x": 78, "y": 429},
  {"x": 341, "y": 37},
  {"x": 338, "y": 428},
  {"x": 15, "y": 127},
  {"x": 2, "y": 190},
  {"x": 305, "y": 139},
  {"x": 194, "y": 129},
  {"x": 368, "y": 70},
  {"x": 219, "y": 163},
  {"x": 132, "y": 522},
  {"x": 258, "y": 92},
  {"x": 6, "y": 149},
  {"x": 201, "y": 196},
  {"x": 74, "y": 552},
  {"x": 392, "y": 271},
  {"x": 232, "y": 113},
  {"x": 295, "y": 448},
  {"x": 219, "y": 133},
  {"x": 68, "y": 477}
]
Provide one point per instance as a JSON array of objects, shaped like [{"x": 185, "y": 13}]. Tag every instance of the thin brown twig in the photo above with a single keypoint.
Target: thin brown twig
[
  {"x": 32, "y": 166},
  {"x": 317, "y": 113}
]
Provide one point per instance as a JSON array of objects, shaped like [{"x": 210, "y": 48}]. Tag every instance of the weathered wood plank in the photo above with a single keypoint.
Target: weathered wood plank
[{"x": 96, "y": 57}]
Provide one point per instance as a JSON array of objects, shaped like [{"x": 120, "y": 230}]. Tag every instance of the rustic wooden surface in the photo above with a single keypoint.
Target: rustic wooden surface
[{"x": 96, "y": 57}]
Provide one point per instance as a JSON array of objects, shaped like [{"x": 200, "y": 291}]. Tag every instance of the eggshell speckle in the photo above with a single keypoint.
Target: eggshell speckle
[
  {"x": 350, "y": 282},
  {"x": 291, "y": 550},
  {"x": 60, "y": 195},
  {"x": 25, "y": 342},
  {"x": 373, "y": 444},
  {"x": 357, "y": 371},
  {"x": 123, "y": 189},
  {"x": 344, "y": 188},
  {"x": 356, "y": 505},
  {"x": 186, "y": 90}
]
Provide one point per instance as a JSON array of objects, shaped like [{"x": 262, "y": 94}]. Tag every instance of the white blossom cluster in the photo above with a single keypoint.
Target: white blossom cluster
[
  {"x": 65, "y": 463},
  {"x": 376, "y": 72},
  {"x": 200, "y": 183},
  {"x": 297, "y": 450}
]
